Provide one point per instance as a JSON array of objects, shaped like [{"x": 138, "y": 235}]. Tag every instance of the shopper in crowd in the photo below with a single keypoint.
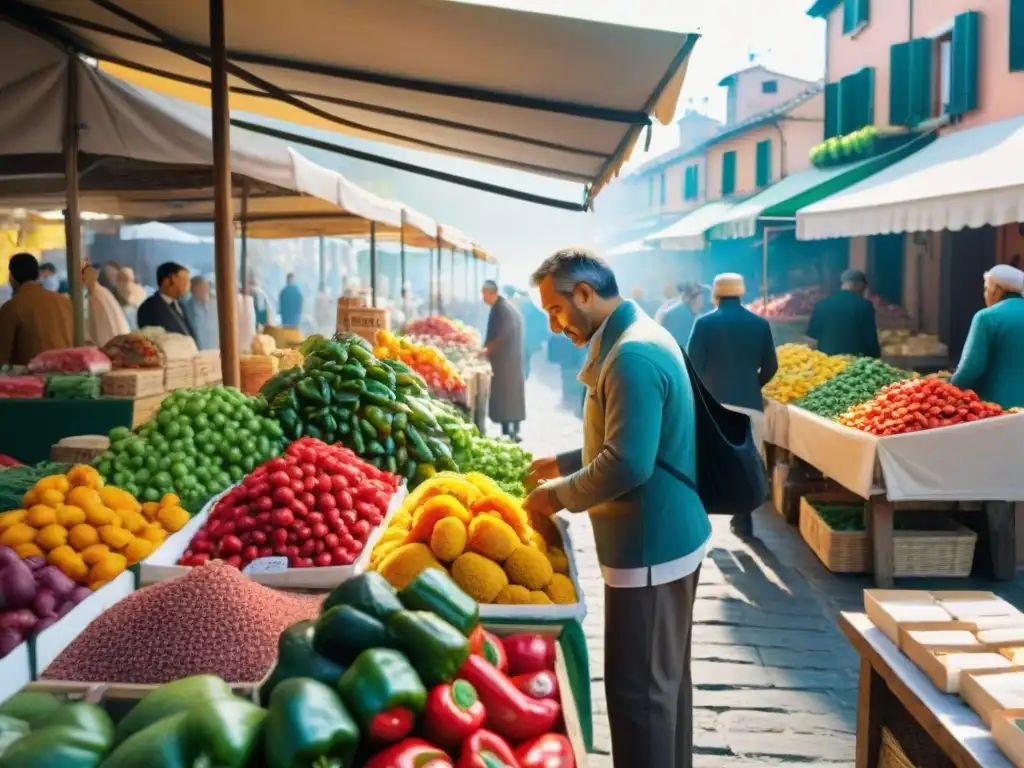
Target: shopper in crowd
[
  {"x": 678, "y": 320},
  {"x": 289, "y": 303},
  {"x": 991, "y": 363},
  {"x": 844, "y": 323},
  {"x": 108, "y": 278},
  {"x": 105, "y": 318},
  {"x": 201, "y": 311},
  {"x": 503, "y": 345},
  {"x": 129, "y": 292},
  {"x": 163, "y": 308},
  {"x": 48, "y": 277},
  {"x": 649, "y": 307},
  {"x": 733, "y": 353},
  {"x": 34, "y": 320},
  {"x": 260, "y": 300},
  {"x": 673, "y": 295},
  {"x": 651, "y": 529}
]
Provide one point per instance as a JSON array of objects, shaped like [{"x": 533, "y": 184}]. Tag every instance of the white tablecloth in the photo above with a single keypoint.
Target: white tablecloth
[
  {"x": 776, "y": 423},
  {"x": 981, "y": 461}
]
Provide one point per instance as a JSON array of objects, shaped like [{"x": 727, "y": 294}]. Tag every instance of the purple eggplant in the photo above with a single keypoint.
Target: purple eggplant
[
  {"x": 8, "y": 556},
  {"x": 52, "y": 578},
  {"x": 17, "y": 586},
  {"x": 22, "y": 620},
  {"x": 45, "y": 604}
]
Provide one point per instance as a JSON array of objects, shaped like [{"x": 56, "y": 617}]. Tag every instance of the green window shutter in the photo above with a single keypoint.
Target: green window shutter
[
  {"x": 855, "y": 14},
  {"x": 1017, "y": 35},
  {"x": 763, "y": 170},
  {"x": 963, "y": 91},
  {"x": 831, "y": 110},
  {"x": 690, "y": 183},
  {"x": 849, "y": 87},
  {"x": 661, "y": 190},
  {"x": 899, "y": 84},
  {"x": 920, "y": 84},
  {"x": 729, "y": 173},
  {"x": 867, "y": 96}
]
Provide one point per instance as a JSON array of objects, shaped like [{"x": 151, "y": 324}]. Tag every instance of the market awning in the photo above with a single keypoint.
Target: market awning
[
  {"x": 549, "y": 94},
  {"x": 633, "y": 248},
  {"x": 969, "y": 178},
  {"x": 687, "y": 234},
  {"x": 783, "y": 199}
]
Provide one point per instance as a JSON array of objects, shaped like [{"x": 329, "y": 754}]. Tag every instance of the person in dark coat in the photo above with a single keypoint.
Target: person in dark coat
[
  {"x": 679, "y": 318},
  {"x": 844, "y": 323},
  {"x": 503, "y": 345},
  {"x": 163, "y": 308},
  {"x": 733, "y": 353}
]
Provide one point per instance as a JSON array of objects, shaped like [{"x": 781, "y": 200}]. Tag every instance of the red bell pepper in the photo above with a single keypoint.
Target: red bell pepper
[
  {"x": 552, "y": 750},
  {"x": 391, "y": 726},
  {"x": 529, "y": 653},
  {"x": 538, "y": 685},
  {"x": 487, "y": 750},
  {"x": 510, "y": 712},
  {"x": 454, "y": 712},
  {"x": 411, "y": 753},
  {"x": 483, "y": 643}
]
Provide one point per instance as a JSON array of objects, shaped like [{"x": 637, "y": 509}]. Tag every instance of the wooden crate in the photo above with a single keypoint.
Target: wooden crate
[
  {"x": 355, "y": 317},
  {"x": 133, "y": 382},
  {"x": 206, "y": 368},
  {"x": 81, "y": 449},
  {"x": 840, "y": 551},
  {"x": 145, "y": 408},
  {"x": 179, "y": 374}
]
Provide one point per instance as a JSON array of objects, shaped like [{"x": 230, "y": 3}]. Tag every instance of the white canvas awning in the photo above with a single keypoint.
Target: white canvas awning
[
  {"x": 687, "y": 234},
  {"x": 545, "y": 93},
  {"x": 969, "y": 178}
]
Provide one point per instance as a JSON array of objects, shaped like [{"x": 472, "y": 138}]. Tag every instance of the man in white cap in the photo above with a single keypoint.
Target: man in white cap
[
  {"x": 844, "y": 323},
  {"x": 991, "y": 363},
  {"x": 733, "y": 352}
]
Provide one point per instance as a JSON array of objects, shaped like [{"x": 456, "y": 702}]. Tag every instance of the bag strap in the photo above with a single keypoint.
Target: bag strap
[{"x": 662, "y": 464}]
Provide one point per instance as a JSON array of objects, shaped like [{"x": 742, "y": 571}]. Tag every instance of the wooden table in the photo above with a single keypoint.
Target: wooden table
[{"x": 934, "y": 729}]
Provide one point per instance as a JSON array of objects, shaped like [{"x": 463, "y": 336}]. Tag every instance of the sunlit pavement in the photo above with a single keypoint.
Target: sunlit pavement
[{"x": 775, "y": 680}]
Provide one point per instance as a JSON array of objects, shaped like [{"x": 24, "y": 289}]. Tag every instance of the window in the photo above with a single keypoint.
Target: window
[
  {"x": 943, "y": 74},
  {"x": 963, "y": 79},
  {"x": 691, "y": 182},
  {"x": 729, "y": 173},
  {"x": 661, "y": 189},
  {"x": 910, "y": 82},
  {"x": 831, "y": 110},
  {"x": 770, "y": 86},
  {"x": 1017, "y": 35},
  {"x": 763, "y": 167},
  {"x": 856, "y": 14}
]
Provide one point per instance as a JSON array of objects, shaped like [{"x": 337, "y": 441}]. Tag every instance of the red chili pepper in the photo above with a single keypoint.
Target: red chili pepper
[
  {"x": 487, "y": 750},
  {"x": 411, "y": 753},
  {"x": 538, "y": 685},
  {"x": 552, "y": 750},
  {"x": 453, "y": 712},
  {"x": 483, "y": 643},
  {"x": 529, "y": 653},
  {"x": 391, "y": 726},
  {"x": 510, "y": 712}
]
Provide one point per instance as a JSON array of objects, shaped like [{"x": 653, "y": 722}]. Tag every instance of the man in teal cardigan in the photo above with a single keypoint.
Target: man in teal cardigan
[
  {"x": 651, "y": 530},
  {"x": 991, "y": 362}
]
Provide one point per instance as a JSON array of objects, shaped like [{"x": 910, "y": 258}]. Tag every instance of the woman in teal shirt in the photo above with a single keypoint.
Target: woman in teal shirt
[{"x": 991, "y": 363}]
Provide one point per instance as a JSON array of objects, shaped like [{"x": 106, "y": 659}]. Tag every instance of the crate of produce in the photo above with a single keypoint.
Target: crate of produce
[
  {"x": 256, "y": 370},
  {"x": 72, "y": 386},
  {"x": 832, "y": 524},
  {"x": 355, "y": 317},
  {"x": 179, "y": 374},
  {"x": 145, "y": 408},
  {"x": 80, "y": 449},
  {"x": 206, "y": 368},
  {"x": 133, "y": 382}
]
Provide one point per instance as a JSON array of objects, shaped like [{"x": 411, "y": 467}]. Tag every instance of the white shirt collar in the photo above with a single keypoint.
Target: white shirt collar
[{"x": 167, "y": 299}]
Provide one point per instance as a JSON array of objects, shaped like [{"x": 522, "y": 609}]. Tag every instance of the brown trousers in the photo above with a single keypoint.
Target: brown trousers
[{"x": 647, "y": 673}]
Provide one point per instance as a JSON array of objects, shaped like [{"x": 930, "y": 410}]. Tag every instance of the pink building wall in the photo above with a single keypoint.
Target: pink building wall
[
  {"x": 751, "y": 100},
  {"x": 1000, "y": 92}
]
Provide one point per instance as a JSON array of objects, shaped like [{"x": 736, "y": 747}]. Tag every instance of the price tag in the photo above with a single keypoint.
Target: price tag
[{"x": 267, "y": 565}]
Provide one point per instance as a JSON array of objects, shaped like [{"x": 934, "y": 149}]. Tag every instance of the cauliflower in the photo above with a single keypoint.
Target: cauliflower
[
  {"x": 561, "y": 590},
  {"x": 528, "y": 567},
  {"x": 492, "y": 537},
  {"x": 406, "y": 562},
  {"x": 480, "y": 578},
  {"x": 513, "y": 594},
  {"x": 559, "y": 562},
  {"x": 448, "y": 539}
]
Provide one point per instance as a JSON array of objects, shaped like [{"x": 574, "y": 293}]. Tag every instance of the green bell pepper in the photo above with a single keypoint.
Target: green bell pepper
[
  {"x": 369, "y": 592},
  {"x": 171, "y": 699},
  {"x": 309, "y": 727},
  {"x": 377, "y": 393},
  {"x": 435, "y": 648},
  {"x": 360, "y": 349},
  {"x": 369, "y": 431},
  {"x": 296, "y": 657},
  {"x": 382, "y": 374},
  {"x": 11, "y": 730},
  {"x": 379, "y": 681},
  {"x": 162, "y": 744},
  {"x": 334, "y": 352},
  {"x": 226, "y": 731},
  {"x": 58, "y": 746},
  {"x": 353, "y": 371},
  {"x": 435, "y": 591},
  {"x": 343, "y": 632},
  {"x": 375, "y": 416},
  {"x": 312, "y": 362},
  {"x": 418, "y": 446},
  {"x": 32, "y": 707},
  {"x": 87, "y": 717}
]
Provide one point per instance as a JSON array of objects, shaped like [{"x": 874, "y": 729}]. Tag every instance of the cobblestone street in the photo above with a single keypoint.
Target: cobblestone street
[{"x": 775, "y": 680}]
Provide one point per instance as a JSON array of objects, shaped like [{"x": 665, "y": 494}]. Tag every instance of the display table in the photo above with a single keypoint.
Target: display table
[
  {"x": 776, "y": 423},
  {"x": 977, "y": 462},
  {"x": 897, "y": 701},
  {"x": 30, "y": 427}
]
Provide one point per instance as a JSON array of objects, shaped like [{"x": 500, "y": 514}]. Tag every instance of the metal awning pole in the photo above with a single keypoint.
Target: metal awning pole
[
  {"x": 440, "y": 300},
  {"x": 465, "y": 275},
  {"x": 451, "y": 287},
  {"x": 73, "y": 213},
  {"x": 223, "y": 225},
  {"x": 373, "y": 264},
  {"x": 244, "y": 236},
  {"x": 322, "y": 263},
  {"x": 401, "y": 267},
  {"x": 430, "y": 281}
]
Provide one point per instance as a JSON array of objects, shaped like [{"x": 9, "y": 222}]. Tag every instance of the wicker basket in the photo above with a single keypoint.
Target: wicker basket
[
  {"x": 136, "y": 382},
  {"x": 840, "y": 551},
  {"x": 256, "y": 370},
  {"x": 82, "y": 449},
  {"x": 206, "y": 368},
  {"x": 179, "y": 374},
  {"x": 941, "y": 547},
  {"x": 891, "y": 754}
]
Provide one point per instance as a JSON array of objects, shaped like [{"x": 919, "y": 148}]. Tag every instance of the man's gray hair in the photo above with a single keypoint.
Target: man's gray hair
[
  {"x": 571, "y": 266},
  {"x": 490, "y": 286}
]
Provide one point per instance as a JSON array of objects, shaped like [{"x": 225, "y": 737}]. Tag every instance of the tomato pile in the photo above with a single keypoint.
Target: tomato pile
[
  {"x": 316, "y": 505},
  {"x": 916, "y": 405}
]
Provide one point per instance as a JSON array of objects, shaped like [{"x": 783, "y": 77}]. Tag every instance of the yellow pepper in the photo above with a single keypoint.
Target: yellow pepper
[
  {"x": 41, "y": 516},
  {"x": 119, "y": 499},
  {"x": 51, "y": 498},
  {"x": 113, "y": 537},
  {"x": 52, "y": 536},
  {"x": 70, "y": 562},
  {"x": 136, "y": 550},
  {"x": 133, "y": 522},
  {"x": 28, "y": 550},
  {"x": 83, "y": 536},
  {"x": 95, "y": 553},
  {"x": 107, "y": 569},
  {"x": 98, "y": 515},
  {"x": 19, "y": 533},
  {"x": 155, "y": 533},
  {"x": 69, "y": 516},
  {"x": 173, "y": 518},
  {"x": 15, "y": 516}
]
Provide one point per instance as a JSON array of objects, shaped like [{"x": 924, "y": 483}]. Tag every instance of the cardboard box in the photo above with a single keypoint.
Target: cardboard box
[
  {"x": 988, "y": 692},
  {"x": 361, "y": 320},
  {"x": 1002, "y": 637},
  {"x": 939, "y": 638},
  {"x": 889, "y": 609},
  {"x": 974, "y": 604},
  {"x": 944, "y": 669},
  {"x": 1008, "y": 735}
]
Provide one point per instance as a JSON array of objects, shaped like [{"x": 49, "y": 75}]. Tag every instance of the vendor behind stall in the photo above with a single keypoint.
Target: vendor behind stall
[
  {"x": 991, "y": 363},
  {"x": 844, "y": 323}
]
